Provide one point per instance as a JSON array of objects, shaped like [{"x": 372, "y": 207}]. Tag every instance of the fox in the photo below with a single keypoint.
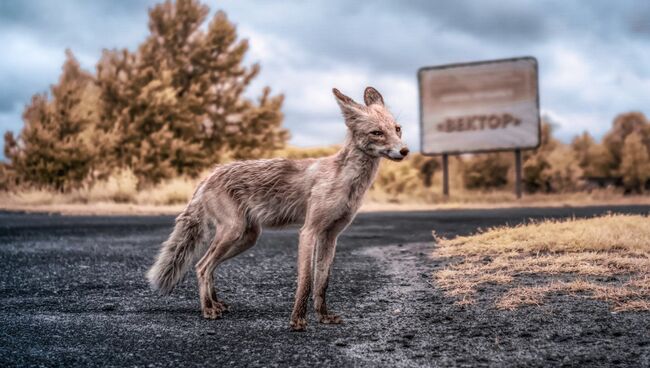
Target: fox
[{"x": 240, "y": 198}]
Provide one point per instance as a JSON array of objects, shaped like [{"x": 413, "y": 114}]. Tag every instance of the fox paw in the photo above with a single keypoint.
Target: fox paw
[
  {"x": 330, "y": 319},
  {"x": 221, "y": 305},
  {"x": 214, "y": 312},
  {"x": 298, "y": 324}
]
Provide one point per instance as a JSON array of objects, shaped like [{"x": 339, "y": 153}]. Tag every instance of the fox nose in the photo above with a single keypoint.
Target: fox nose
[{"x": 404, "y": 151}]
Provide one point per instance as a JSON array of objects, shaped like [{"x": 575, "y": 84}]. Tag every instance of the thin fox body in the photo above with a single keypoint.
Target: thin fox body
[{"x": 242, "y": 197}]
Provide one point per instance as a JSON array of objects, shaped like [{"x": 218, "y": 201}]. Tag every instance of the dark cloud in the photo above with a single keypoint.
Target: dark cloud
[
  {"x": 403, "y": 35},
  {"x": 54, "y": 16},
  {"x": 638, "y": 21},
  {"x": 502, "y": 21}
]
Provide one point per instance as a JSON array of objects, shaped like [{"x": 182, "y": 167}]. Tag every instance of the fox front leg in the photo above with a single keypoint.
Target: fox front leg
[
  {"x": 305, "y": 251},
  {"x": 324, "y": 257}
]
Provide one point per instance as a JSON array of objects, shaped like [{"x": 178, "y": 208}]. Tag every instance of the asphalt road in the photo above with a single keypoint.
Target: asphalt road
[{"x": 73, "y": 293}]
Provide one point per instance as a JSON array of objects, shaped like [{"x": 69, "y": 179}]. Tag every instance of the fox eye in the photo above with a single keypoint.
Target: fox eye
[
  {"x": 398, "y": 129},
  {"x": 377, "y": 133}
]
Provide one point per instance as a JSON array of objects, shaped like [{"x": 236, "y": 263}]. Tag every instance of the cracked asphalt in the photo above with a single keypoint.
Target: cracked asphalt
[{"x": 73, "y": 293}]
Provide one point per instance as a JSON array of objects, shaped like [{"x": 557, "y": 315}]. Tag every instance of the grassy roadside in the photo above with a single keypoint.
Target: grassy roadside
[
  {"x": 398, "y": 187},
  {"x": 605, "y": 258},
  {"x": 41, "y": 201}
]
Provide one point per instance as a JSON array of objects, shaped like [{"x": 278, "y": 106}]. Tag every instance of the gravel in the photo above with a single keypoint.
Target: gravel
[{"x": 72, "y": 292}]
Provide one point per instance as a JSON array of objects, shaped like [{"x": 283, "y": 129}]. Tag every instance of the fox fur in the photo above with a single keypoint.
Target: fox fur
[{"x": 242, "y": 197}]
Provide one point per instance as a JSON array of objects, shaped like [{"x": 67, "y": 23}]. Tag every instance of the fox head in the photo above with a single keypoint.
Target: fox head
[{"x": 372, "y": 127}]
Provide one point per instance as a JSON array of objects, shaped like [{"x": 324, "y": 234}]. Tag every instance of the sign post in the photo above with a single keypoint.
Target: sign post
[
  {"x": 518, "y": 173},
  {"x": 445, "y": 175},
  {"x": 479, "y": 107}
]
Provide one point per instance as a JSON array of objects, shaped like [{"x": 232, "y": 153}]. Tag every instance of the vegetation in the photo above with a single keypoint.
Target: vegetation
[
  {"x": 606, "y": 258},
  {"x": 488, "y": 171},
  {"x": 57, "y": 147},
  {"x": 555, "y": 168},
  {"x": 171, "y": 108},
  {"x": 620, "y": 160}
]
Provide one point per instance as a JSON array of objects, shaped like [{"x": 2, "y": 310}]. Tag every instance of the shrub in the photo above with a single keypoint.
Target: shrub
[
  {"x": 173, "y": 191},
  {"x": 635, "y": 167},
  {"x": 486, "y": 171},
  {"x": 310, "y": 152},
  {"x": 121, "y": 187},
  {"x": 395, "y": 180}
]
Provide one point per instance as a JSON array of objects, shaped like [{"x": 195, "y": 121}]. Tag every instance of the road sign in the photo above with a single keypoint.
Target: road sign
[{"x": 479, "y": 107}]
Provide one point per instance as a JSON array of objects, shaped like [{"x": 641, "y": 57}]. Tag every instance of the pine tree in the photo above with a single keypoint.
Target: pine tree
[
  {"x": 7, "y": 174},
  {"x": 115, "y": 71},
  {"x": 173, "y": 107},
  {"x": 257, "y": 132},
  {"x": 150, "y": 100},
  {"x": 232, "y": 122},
  {"x": 635, "y": 163},
  {"x": 177, "y": 105},
  {"x": 54, "y": 148}
]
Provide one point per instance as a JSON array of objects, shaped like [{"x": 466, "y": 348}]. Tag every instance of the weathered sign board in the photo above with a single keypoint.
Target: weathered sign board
[{"x": 479, "y": 107}]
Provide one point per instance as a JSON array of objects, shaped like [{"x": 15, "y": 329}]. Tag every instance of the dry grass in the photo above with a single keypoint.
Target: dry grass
[
  {"x": 170, "y": 192},
  {"x": 379, "y": 201},
  {"x": 308, "y": 152},
  {"x": 626, "y": 297},
  {"x": 117, "y": 194},
  {"x": 398, "y": 187},
  {"x": 122, "y": 187},
  {"x": 606, "y": 258}
]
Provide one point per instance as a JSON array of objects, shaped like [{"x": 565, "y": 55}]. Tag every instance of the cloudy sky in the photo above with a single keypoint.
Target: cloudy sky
[{"x": 594, "y": 56}]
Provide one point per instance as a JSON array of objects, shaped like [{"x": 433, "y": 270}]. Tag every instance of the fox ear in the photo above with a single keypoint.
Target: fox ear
[
  {"x": 349, "y": 108},
  {"x": 372, "y": 96}
]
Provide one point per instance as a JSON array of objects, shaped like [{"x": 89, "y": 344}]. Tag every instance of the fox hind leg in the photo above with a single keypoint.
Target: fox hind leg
[{"x": 233, "y": 239}]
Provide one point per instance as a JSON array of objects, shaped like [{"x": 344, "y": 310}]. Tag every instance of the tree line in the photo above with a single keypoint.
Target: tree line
[
  {"x": 621, "y": 159},
  {"x": 172, "y": 107}
]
